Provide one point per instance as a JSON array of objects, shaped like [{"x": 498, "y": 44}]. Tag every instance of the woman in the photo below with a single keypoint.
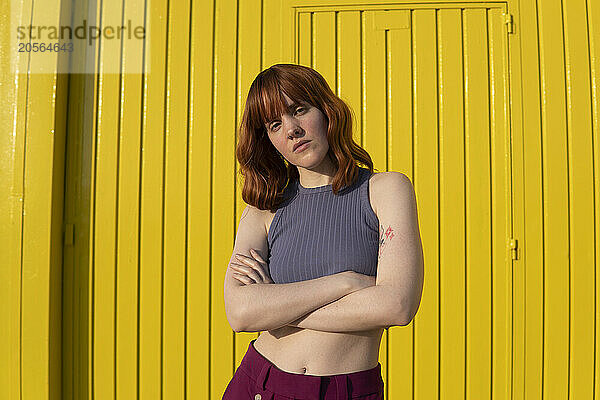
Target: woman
[{"x": 318, "y": 266}]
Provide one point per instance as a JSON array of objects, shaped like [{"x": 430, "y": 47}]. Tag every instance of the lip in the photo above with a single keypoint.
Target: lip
[{"x": 299, "y": 144}]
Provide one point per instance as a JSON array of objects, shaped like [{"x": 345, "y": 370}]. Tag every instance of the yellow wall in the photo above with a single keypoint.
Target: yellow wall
[
  {"x": 32, "y": 148},
  {"x": 495, "y": 124}
]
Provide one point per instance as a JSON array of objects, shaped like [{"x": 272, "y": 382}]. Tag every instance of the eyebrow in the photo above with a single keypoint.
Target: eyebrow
[
  {"x": 290, "y": 107},
  {"x": 293, "y": 105}
]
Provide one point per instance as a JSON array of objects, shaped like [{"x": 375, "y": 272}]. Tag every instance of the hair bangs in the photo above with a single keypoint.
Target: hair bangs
[{"x": 271, "y": 104}]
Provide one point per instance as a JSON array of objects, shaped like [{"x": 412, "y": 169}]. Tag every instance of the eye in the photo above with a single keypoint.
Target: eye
[
  {"x": 300, "y": 109},
  {"x": 273, "y": 126}
]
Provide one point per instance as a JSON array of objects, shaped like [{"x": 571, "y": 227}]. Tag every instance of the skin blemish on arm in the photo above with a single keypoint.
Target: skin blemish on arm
[{"x": 385, "y": 235}]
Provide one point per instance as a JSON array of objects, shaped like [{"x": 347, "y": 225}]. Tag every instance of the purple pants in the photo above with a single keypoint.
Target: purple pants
[{"x": 259, "y": 379}]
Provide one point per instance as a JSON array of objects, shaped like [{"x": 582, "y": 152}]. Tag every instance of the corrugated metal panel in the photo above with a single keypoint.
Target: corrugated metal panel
[
  {"x": 560, "y": 89},
  {"x": 151, "y": 178}
]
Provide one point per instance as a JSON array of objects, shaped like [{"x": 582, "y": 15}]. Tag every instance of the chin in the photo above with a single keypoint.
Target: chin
[{"x": 310, "y": 162}]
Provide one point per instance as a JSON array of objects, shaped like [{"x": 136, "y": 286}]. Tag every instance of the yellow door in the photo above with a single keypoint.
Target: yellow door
[{"x": 429, "y": 87}]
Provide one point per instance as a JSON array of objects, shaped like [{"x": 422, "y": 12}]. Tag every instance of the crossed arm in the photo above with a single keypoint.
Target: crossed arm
[
  {"x": 364, "y": 309},
  {"x": 395, "y": 297}
]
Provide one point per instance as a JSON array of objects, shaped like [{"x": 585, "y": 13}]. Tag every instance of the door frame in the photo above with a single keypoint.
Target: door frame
[{"x": 286, "y": 13}]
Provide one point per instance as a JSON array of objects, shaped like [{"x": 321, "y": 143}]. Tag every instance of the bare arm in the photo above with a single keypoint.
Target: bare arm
[
  {"x": 362, "y": 310},
  {"x": 260, "y": 307},
  {"x": 269, "y": 306},
  {"x": 395, "y": 298}
]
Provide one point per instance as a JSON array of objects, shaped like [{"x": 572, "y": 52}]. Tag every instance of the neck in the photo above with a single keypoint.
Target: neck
[{"x": 319, "y": 176}]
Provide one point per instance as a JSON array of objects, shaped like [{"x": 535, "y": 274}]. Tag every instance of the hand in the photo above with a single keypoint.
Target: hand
[
  {"x": 251, "y": 269},
  {"x": 359, "y": 281}
]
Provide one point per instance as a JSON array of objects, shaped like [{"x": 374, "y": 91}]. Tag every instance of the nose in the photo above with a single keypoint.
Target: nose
[{"x": 292, "y": 127}]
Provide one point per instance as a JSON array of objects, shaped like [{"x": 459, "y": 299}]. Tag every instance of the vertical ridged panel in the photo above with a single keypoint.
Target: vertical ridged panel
[
  {"x": 477, "y": 204},
  {"x": 373, "y": 91},
  {"x": 248, "y": 66},
  {"x": 152, "y": 189},
  {"x": 105, "y": 212},
  {"x": 323, "y": 46},
  {"x": 567, "y": 70},
  {"x": 304, "y": 39},
  {"x": 13, "y": 99},
  {"x": 374, "y": 118},
  {"x": 128, "y": 209},
  {"x": 349, "y": 66},
  {"x": 593, "y": 36},
  {"x": 452, "y": 194},
  {"x": 399, "y": 157},
  {"x": 175, "y": 200},
  {"x": 555, "y": 205},
  {"x": 580, "y": 193},
  {"x": 199, "y": 223},
  {"x": 31, "y": 211},
  {"x": 500, "y": 207},
  {"x": 425, "y": 176},
  {"x": 531, "y": 266},
  {"x": 273, "y": 50},
  {"x": 223, "y": 170}
]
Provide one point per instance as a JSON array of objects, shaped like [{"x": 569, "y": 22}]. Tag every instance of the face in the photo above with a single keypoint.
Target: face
[{"x": 301, "y": 122}]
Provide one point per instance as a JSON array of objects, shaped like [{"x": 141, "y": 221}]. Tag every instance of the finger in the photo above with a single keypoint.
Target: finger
[
  {"x": 240, "y": 269},
  {"x": 263, "y": 264},
  {"x": 248, "y": 271},
  {"x": 237, "y": 269},
  {"x": 243, "y": 278},
  {"x": 254, "y": 264},
  {"x": 237, "y": 277},
  {"x": 256, "y": 255},
  {"x": 245, "y": 270}
]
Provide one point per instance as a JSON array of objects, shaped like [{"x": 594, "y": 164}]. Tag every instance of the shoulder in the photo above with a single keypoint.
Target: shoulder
[
  {"x": 251, "y": 210},
  {"x": 258, "y": 216},
  {"x": 264, "y": 217},
  {"x": 386, "y": 188},
  {"x": 254, "y": 213}
]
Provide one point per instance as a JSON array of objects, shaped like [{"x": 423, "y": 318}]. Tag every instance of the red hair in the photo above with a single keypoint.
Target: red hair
[{"x": 266, "y": 171}]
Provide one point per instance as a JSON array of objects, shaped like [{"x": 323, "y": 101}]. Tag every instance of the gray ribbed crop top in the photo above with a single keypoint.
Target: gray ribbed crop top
[{"x": 316, "y": 233}]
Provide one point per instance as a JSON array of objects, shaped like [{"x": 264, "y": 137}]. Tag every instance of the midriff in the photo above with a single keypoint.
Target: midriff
[
  {"x": 310, "y": 352},
  {"x": 306, "y": 351}
]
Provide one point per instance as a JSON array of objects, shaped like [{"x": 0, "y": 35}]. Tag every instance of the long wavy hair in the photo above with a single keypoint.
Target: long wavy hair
[{"x": 267, "y": 173}]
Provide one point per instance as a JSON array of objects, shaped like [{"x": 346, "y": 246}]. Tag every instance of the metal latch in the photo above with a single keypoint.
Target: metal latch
[
  {"x": 508, "y": 20},
  {"x": 514, "y": 249}
]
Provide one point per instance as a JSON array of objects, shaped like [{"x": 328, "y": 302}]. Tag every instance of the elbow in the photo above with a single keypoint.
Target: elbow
[
  {"x": 235, "y": 321},
  {"x": 241, "y": 321},
  {"x": 399, "y": 319},
  {"x": 406, "y": 316},
  {"x": 239, "y": 316},
  {"x": 403, "y": 320},
  {"x": 400, "y": 315},
  {"x": 406, "y": 309},
  {"x": 235, "y": 324},
  {"x": 393, "y": 317},
  {"x": 234, "y": 313}
]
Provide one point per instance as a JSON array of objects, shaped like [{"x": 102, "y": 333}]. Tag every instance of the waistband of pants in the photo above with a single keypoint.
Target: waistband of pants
[{"x": 268, "y": 376}]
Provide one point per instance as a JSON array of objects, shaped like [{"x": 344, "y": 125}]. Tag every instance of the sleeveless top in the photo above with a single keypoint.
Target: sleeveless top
[{"x": 316, "y": 233}]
